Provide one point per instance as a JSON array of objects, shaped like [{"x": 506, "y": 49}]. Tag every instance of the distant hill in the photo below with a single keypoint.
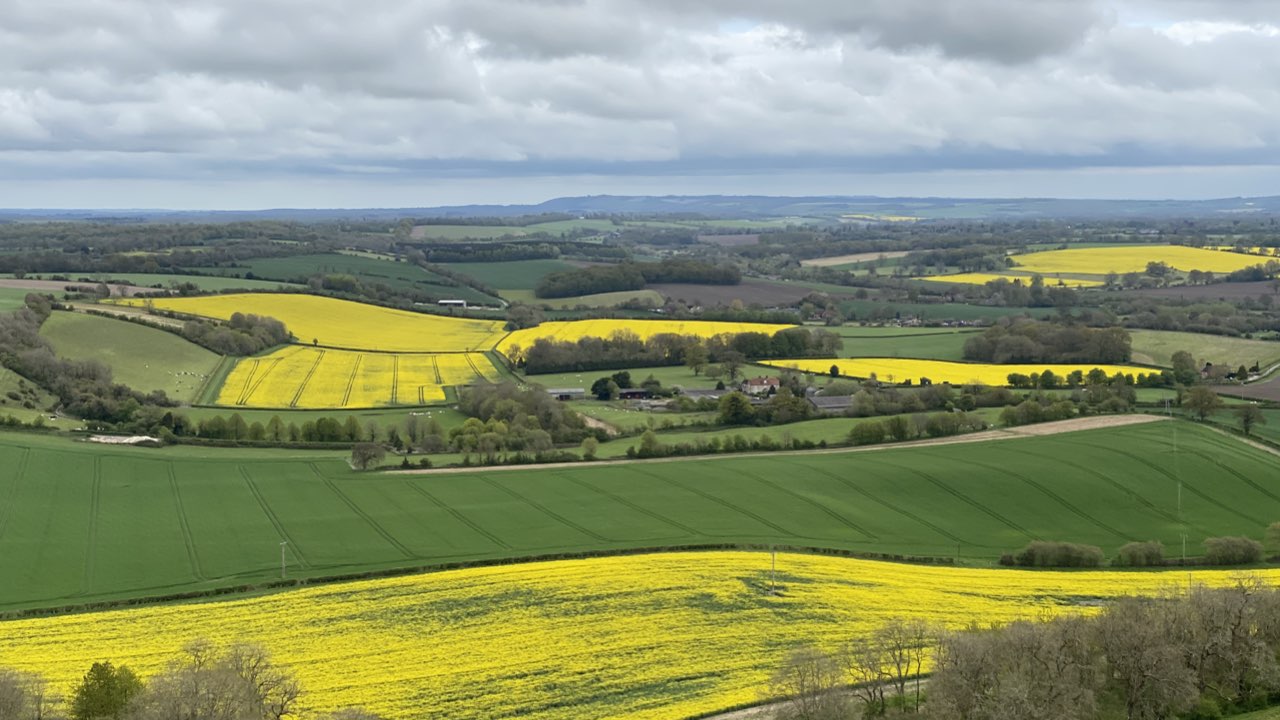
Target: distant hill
[{"x": 829, "y": 208}]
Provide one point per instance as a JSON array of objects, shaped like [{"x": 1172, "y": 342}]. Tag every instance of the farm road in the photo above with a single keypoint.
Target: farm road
[{"x": 1050, "y": 428}]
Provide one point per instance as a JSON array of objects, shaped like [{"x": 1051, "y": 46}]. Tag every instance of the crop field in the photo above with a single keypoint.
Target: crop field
[
  {"x": 669, "y": 376},
  {"x": 81, "y": 523},
  {"x": 316, "y": 378},
  {"x": 928, "y": 343},
  {"x": 1156, "y": 347},
  {"x": 168, "y": 363},
  {"x": 1132, "y": 258},
  {"x": 162, "y": 280},
  {"x": 875, "y": 310},
  {"x": 638, "y": 638},
  {"x": 344, "y": 324},
  {"x": 984, "y": 278},
  {"x": 644, "y": 329},
  {"x": 596, "y": 300},
  {"x": 367, "y": 268},
  {"x": 900, "y": 370},
  {"x": 517, "y": 275}
]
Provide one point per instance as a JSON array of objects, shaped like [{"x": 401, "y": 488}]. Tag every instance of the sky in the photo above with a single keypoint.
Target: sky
[{"x": 247, "y": 104}]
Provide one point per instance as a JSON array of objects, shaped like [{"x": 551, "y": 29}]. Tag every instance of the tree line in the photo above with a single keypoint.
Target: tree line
[
  {"x": 634, "y": 276},
  {"x": 1194, "y": 652},
  {"x": 1023, "y": 340}
]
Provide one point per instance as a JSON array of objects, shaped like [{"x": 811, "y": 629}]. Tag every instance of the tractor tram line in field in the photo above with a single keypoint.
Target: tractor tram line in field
[
  {"x": 188, "y": 540},
  {"x": 91, "y": 535}
]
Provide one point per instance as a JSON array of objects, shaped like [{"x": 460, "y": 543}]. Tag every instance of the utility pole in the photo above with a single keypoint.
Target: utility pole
[
  {"x": 773, "y": 571},
  {"x": 283, "y": 544}
]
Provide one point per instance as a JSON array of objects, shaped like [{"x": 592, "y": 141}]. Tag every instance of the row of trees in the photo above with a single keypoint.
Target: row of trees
[
  {"x": 1022, "y": 340},
  {"x": 1201, "y": 653},
  {"x": 626, "y": 349},
  {"x": 634, "y": 276}
]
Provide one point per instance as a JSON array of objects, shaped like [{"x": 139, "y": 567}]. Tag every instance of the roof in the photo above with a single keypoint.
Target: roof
[
  {"x": 764, "y": 381},
  {"x": 565, "y": 391},
  {"x": 835, "y": 402}
]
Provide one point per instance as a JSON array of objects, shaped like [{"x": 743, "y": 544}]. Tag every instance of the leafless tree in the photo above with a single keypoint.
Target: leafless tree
[
  {"x": 812, "y": 683},
  {"x": 1144, "y": 659}
]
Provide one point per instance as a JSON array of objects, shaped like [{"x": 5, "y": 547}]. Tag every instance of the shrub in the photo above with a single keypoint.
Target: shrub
[
  {"x": 1232, "y": 551},
  {"x": 1140, "y": 554},
  {"x": 1041, "y": 553},
  {"x": 869, "y": 432}
]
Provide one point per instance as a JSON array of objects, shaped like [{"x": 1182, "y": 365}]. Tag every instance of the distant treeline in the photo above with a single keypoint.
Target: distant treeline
[
  {"x": 497, "y": 221},
  {"x": 624, "y": 350},
  {"x": 1031, "y": 341},
  {"x": 634, "y": 276}
]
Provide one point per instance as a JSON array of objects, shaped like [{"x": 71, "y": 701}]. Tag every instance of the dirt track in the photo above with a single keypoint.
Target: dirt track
[
  {"x": 59, "y": 286},
  {"x": 1051, "y": 428}
]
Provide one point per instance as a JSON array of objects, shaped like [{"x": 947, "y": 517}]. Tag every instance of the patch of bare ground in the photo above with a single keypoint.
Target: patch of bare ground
[
  {"x": 854, "y": 258},
  {"x": 599, "y": 424},
  {"x": 1042, "y": 429},
  {"x": 1216, "y": 291},
  {"x": 751, "y": 290}
]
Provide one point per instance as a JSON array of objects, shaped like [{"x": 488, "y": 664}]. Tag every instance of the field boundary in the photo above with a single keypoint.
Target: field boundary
[
  {"x": 207, "y": 393},
  {"x": 1093, "y": 422}
]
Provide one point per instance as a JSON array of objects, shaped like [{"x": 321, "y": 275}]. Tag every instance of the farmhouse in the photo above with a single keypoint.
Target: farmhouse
[{"x": 761, "y": 385}]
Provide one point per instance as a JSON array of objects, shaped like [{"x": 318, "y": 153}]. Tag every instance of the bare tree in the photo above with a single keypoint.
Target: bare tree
[
  {"x": 812, "y": 683},
  {"x": 1144, "y": 659},
  {"x": 205, "y": 684}
]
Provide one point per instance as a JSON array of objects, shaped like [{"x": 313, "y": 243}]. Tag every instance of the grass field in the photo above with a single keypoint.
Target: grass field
[
  {"x": 1133, "y": 258},
  {"x": 627, "y": 419},
  {"x": 863, "y": 310},
  {"x": 669, "y": 376},
  {"x": 314, "y": 378},
  {"x": 369, "y": 269},
  {"x": 984, "y": 278},
  {"x": 605, "y": 328},
  {"x": 929, "y": 343},
  {"x": 648, "y": 637},
  {"x": 519, "y": 275},
  {"x": 204, "y": 282},
  {"x": 344, "y": 324},
  {"x": 141, "y": 357},
  {"x": 1157, "y": 347},
  {"x": 13, "y": 298},
  {"x": 900, "y": 370},
  {"x": 83, "y": 523}
]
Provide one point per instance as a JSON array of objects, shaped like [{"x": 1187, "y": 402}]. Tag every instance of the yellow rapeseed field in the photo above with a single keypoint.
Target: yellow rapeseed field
[
  {"x": 344, "y": 324},
  {"x": 651, "y": 637},
  {"x": 319, "y": 378},
  {"x": 1255, "y": 250},
  {"x": 984, "y": 278},
  {"x": 897, "y": 370},
  {"x": 604, "y": 328},
  {"x": 1131, "y": 258}
]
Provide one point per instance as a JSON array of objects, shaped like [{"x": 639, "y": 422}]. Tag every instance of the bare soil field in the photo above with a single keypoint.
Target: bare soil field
[
  {"x": 60, "y": 286},
  {"x": 730, "y": 240},
  {"x": 1217, "y": 291},
  {"x": 855, "y": 258},
  {"x": 764, "y": 292},
  {"x": 1269, "y": 390}
]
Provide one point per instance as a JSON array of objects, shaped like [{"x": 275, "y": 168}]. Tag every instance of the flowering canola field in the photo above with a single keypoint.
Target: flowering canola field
[
  {"x": 899, "y": 370},
  {"x": 638, "y": 638},
  {"x": 1131, "y": 258},
  {"x": 316, "y": 378},
  {"x": 345, "y": 324},
  {"x": 573, "y": 330},
  {"x": 984, "y": 278}
]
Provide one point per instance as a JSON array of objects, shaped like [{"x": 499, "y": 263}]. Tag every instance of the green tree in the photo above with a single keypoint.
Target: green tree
[
  {"x": 695, "y": 358},
  {"x": 1202, "y": 402},
  {"x": 367, "y": 454},
  {"x": 1185, "y": 371},
  {"x": 736, "y": 409},
  {"x": 1249, "y": 416},
  {"x": 105, "y": 692},
  {"x": 589, "y": 448}
]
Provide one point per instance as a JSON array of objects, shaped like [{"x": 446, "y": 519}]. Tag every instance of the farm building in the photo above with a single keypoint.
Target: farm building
[
  {"x": 565, "y": 394},
  {"x": 761, "y": 385},
  {"x": 836, "y": 404}
]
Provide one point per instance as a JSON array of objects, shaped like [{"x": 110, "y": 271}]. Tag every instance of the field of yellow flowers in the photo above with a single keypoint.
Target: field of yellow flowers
[
  {"x": 604, "y": 328},
  {"x": 640, "y": 637},
  {"x": 898, "y": 370},
  {"x": 344, "y": 324},
  {"x": 1131, "y": 258},
  {"x": 316, "y": 378},
  {"x": 984, "y": 278}
]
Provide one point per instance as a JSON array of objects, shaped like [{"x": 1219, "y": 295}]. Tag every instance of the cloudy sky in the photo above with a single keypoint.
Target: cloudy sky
[{"x": 391, "y": 103}]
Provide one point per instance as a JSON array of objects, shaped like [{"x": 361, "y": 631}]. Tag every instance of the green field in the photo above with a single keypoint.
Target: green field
[
  {"x": 81, "y": 523},
  {"x": 447, "y": 417},
  {"x": 204, "y": 282},
  {"x": 141, "y": 357},
  {"x": 368, "y": 269},
  {"x": 634, "y": 420},
  {"x": 1156, "y": 347},
  {"x": 515, "y": 275},
  {"x": 13, "y": 298},
  {"x": 669, "y": 376},
  {"x": 928, "y": 343},
  {"x": 932, "y": 312}
]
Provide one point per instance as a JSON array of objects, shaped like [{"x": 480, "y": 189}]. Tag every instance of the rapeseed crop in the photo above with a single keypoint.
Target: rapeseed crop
[
  {"x": 320, "y": 378},
  {"x": 984, "y": 278},
  {"x": 898, "y": 370},
  {"x": 345, "y": 324},
  {"x": 571, "y": 331},
  {"x": 636, "y": 637},
  {"x": 1131, "y": 258}
]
